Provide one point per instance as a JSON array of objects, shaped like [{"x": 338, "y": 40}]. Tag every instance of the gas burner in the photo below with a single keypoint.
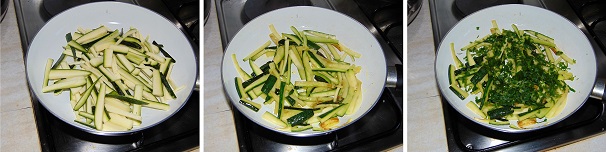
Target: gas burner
[
  {"x": 593, "y": 15},
  {"x": 254, "y": 8},
  {"x": 389, "y": 20},
  {"x": 187, "y": 13},
  {"x": 414, "y": 6},
  {"x": 206, "y": 10},
  {"x": 54, "y": 7},
  {"x": 4, "y": 7},
  {"x": 387, "y": 17},
  {"x": 469, "y": 6}
]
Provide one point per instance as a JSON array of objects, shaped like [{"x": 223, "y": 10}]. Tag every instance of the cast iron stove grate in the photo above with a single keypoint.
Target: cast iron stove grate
[
  {"x": 465, "y": 135},
  {"x": 387, "y": 16},
  {"x": 384, "y": 120},
  {"x": 593, "y": 16}
]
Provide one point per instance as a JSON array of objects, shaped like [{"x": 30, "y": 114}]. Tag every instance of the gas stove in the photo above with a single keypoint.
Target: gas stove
[
  {"x": 180, "y": 132},
  {"x": 588, "y": 121},
  {"x": 380, "y": 129}
]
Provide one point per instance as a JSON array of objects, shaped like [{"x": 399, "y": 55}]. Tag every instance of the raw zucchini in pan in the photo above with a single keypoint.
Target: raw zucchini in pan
[
  {"x": 128, "y": 73},
  {"x": 327, "y": 87}
]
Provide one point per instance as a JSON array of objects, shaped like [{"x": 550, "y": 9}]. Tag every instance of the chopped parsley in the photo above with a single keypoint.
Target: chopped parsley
[{"x": 520, "y": 73}]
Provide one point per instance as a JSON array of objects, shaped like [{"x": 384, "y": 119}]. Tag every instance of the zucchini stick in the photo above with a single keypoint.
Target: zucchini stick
[
  {"x": 261, "y": 48},
  {"x": 47, "y": 69},
  {"x": 157, "y": 84},
  {"x": 117, "y": 60},
  {"x": 136, "y": 107},
  {"x": 99, "y": 107}
]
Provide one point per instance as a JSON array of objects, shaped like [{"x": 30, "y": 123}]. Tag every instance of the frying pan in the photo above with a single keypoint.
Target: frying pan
[
  {"x": 567, "y": 37},
  {"x": 49, "y": 41},
  {"x": 350, "y": 32}
]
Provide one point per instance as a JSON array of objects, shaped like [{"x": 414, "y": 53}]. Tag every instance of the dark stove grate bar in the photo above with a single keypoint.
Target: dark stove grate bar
[
  {"x": 384, "y": 28},
  {"x": 380, "y": 135},
  {"x": 591, "y": 21},
  {"x": 334, "y": 144}
]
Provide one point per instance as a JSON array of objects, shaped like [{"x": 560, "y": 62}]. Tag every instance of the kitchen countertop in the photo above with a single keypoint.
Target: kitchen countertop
[
  {"x": 424, "y": 96},
  {"x": 219, "y": 130},
  {"x": 17, "y": 124}
]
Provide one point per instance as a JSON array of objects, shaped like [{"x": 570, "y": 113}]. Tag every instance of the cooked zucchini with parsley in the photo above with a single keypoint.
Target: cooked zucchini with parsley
[
  {"x": 306, "y": 78},
  {"x": 518, "y": 76},
  {"x": 110, "y": 76}
]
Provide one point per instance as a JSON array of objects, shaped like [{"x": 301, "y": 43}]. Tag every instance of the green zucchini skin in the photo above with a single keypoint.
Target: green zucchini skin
[
  {"x": 253, "y": 79},
  {"x": 300, "y": 128},
  {"x": 166, "y": 54},
  {"x": 269, "y": 84},
  {"x": 293, "y": 38},
  {"x": 240, "y": 88},
  {"x": 126, "y": 99},
  {"x": 302, "y": 109},
  {"x": 77, "y": 46},
  {"x": 458, "y": 92},
  {"x": 330, "y": 113},
  {"x": 300, "y": 118},
  {"x": 85, "y": 95},
  {"x": 132, "y": 42},
  {"x": 170, "y": 89},
  {"x": 92, "y": 36},
  {"x": 250, "y": 105},
  {"x": 281, "y": 100}
]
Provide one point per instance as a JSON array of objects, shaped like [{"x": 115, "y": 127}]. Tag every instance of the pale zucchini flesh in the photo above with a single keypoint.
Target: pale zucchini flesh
[{"x": 115, "y": 61}]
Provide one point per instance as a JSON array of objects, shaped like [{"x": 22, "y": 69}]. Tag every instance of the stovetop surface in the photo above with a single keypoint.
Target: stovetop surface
[
  {"x": 464, "y": 135},
  {"x": 180, "y": 132},
  {"x": 381, "y": 128}
]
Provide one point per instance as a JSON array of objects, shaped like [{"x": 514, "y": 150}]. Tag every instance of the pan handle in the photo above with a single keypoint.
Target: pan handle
[
  {"x": 394, "y": 77},
  {"x": 197, "y": 86},
  {"x": 598, "y": 89}
]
